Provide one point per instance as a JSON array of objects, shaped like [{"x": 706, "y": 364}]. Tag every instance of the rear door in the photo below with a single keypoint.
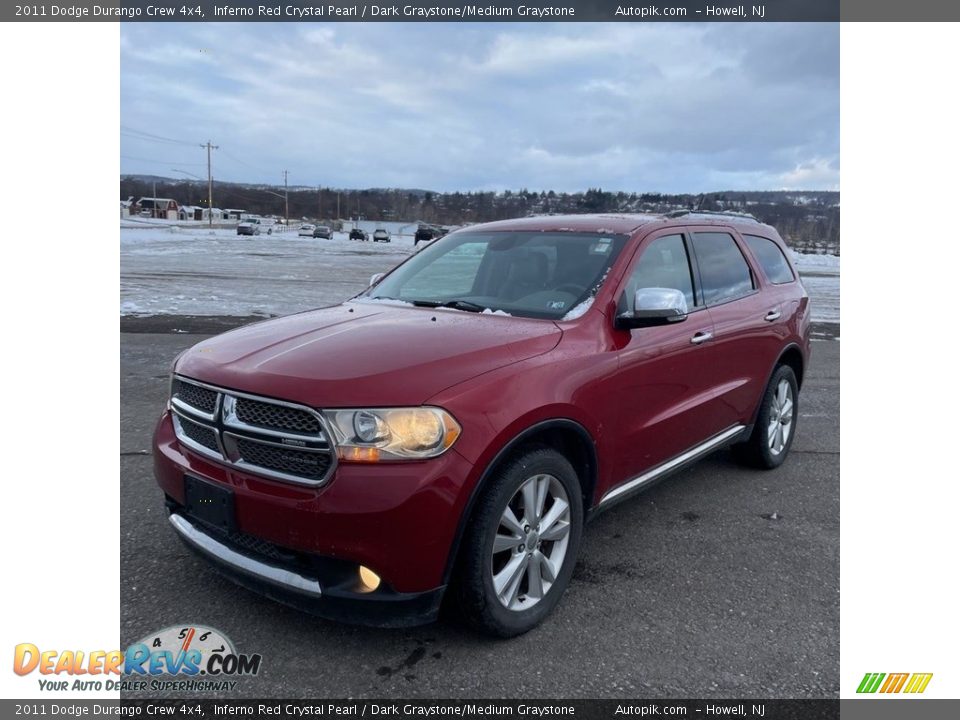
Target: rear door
[
  {"x": 787, "y": 296},
  {"x": 747, "y": 334}
]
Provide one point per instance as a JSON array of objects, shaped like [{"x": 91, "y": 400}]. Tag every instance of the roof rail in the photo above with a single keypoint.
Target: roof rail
[{"x": 721, "y": 213}]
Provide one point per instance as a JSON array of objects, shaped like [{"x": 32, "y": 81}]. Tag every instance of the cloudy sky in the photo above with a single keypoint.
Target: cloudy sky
[{"x": 630, "y": 106}]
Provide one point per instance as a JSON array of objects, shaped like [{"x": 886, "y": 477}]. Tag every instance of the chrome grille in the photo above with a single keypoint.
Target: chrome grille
[
  {"x": 267, "y": 437},
  {"x": 276, "y": 417},
  {"x": 198, "y": 396},
  {"x": 200, "y": 434},
  {"x": 287, "y": 460}
]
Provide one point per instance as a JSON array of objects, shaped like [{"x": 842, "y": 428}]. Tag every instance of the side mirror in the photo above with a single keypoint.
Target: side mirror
[
  {"x": 654, "y": 306},
  {"x": 375, "y": 278}
]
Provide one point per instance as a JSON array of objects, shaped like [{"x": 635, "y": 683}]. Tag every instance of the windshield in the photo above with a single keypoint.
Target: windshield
[{"x": 531, "y": 274}]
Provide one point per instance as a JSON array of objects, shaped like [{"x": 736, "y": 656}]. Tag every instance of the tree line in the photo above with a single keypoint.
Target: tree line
[{"x": 808, "y": 221}]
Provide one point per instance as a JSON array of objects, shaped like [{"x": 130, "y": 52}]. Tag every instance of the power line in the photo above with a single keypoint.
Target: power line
[
  {"x": 143, "y": 135},
  {"x": 154, "y": 140},
  {"x": 254, "y": 167},
  {"x": 244, "y": 162},
  {"x": 161, "y": 162}
]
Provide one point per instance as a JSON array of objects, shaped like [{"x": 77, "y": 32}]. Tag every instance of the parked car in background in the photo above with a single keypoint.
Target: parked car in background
[
  {"x": 306, "y": 230},
  {"x": 426, "y": 233},
  {"x": 365, "y": 461},
  {"x": 358, "y": 234},
  {"x": 323, "y": 231},
  {"x": 250, "y": 226},
  {"x": 381, "y": 235}
]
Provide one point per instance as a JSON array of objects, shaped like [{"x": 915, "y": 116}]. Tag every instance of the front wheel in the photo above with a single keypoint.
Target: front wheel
[
  {"x": 521, "y": 546},
  {"x": 776, "y": 423}
]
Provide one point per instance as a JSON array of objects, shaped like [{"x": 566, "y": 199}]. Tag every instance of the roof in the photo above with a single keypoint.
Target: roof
[
  {"x": 613, "y": 223},
  {"x": 156, "y": 200}
]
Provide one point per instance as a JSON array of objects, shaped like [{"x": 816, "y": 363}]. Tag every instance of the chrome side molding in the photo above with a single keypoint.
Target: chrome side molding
[
  {"x": 689, "y": 456},
  {"x": 243, "y": 564}
]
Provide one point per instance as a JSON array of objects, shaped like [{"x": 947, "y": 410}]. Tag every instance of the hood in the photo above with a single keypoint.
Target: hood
[{"x": 365, "y": 354}]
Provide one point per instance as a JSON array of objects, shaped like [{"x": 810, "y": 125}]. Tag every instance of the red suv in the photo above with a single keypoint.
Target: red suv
[{"x": 448, "y": 432}]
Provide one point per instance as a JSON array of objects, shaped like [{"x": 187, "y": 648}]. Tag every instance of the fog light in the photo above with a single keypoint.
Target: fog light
[{"x": 369, "y": 579}]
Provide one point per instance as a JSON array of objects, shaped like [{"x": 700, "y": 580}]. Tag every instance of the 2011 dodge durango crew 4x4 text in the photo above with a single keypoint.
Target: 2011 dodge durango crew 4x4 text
[{"x": 449, "y": 431}]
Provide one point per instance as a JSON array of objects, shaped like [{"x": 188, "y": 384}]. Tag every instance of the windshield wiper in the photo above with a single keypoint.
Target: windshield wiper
[{"x": 465, "y": 305}]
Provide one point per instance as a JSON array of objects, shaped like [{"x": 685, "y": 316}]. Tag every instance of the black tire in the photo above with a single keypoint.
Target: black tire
[
  {"x": 756, "y": 451},
  {"x": 473, "y": 586}
]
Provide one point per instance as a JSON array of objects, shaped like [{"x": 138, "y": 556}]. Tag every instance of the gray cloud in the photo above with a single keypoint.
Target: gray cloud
[{"x": 683, "y": 107}]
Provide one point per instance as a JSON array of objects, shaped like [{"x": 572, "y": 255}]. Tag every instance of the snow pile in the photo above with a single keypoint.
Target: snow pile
[
  {"x": 383, "y": 301},
  {"x": 579, "y": 310},
  {"x": 807, "y": 261}
]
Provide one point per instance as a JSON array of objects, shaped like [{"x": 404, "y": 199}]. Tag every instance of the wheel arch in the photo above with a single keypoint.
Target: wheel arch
[
  {"x": 568, "y": 437},
  {"x": 792, "y": 356}
]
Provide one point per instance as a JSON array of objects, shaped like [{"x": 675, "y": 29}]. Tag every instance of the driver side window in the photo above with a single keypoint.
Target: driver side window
[{"x": 663, "y": 264}]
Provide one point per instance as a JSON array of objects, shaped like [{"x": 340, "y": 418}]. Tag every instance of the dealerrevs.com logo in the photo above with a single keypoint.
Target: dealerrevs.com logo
[
  {"x": 910, "y": 683},
  {"x": 180, "y": 657}
]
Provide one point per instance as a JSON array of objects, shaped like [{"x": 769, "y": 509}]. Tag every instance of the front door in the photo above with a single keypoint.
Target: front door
[{"x": 665, "y": 380}]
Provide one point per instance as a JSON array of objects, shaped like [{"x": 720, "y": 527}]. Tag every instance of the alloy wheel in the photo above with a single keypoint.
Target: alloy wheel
[
  {"x": 781, "y": 418},
  {"x": 531, "y": 542}
]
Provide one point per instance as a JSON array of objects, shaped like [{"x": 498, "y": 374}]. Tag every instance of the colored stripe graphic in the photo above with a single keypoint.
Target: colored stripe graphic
[
  {"x": 895, "y": 683},
  {"x": 870, "y": 682},
  {"x": 918, "y": 682}
]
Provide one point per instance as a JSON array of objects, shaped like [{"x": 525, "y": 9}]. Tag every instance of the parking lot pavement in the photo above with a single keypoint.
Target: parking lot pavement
[{"x": 720, "y": 582}]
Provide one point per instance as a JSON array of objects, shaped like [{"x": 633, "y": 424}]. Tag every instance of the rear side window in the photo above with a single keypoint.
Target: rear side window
[
  {"x": 774, "y": 264},
  {"x": 724, "y": 271}
]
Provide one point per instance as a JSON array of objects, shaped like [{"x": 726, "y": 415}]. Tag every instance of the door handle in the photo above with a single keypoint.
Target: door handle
[
  {"x": 701, "y": 337},
  {"x": 772, "y": 315}
]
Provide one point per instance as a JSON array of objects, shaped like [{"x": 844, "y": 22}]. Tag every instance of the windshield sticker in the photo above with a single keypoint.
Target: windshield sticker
[
  {"x": 556, "y": 304},
  {"x": 602, "y": 247}
]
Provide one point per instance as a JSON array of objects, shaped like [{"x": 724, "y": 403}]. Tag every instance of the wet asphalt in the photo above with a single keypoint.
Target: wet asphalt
[{"x": 721, "y": 582}]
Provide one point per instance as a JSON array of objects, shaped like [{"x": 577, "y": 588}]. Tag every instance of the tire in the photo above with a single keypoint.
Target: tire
[
  {"x": 523, "y": 601},
  {"x": 765, "y": 448}
]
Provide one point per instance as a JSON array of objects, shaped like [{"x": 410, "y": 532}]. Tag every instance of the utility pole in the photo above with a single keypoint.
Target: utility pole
[
  {"x": 320, "y": 204},
  {"x": 210, "y": 147},
  {"x": 286, "y": 201},
  {"x": 338, "y": 204}
]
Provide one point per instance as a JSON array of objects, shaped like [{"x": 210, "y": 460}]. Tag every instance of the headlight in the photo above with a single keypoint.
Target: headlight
[{"x": 376, "y": 434}]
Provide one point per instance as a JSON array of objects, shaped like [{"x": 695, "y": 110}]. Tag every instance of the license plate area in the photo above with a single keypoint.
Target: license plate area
[{"x": 209, "y": 503}]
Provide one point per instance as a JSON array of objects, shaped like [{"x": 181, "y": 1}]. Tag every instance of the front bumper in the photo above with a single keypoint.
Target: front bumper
[
  {"x": 398, "y": 519},
  {"x": 301, "y": 589}
]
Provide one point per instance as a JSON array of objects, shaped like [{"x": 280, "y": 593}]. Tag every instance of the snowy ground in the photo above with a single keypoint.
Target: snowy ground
[
  {"x": 171, "y": 271},
  {"x": 821, "y": 277},
  {"x": 203, "y": 272}
]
